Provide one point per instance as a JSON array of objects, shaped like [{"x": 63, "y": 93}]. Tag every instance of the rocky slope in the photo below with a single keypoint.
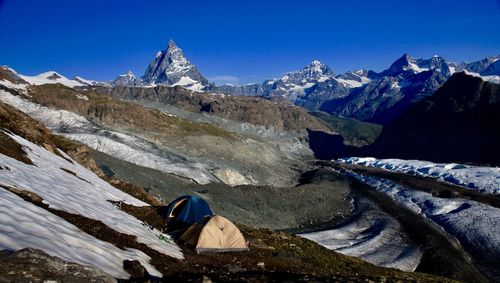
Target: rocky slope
[
  {"x": 272, "y": 255},
  {"x": 257, "y": 111}
]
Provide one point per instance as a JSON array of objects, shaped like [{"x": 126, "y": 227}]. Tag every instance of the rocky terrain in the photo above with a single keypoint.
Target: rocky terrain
[
  {"x": 272, "y": 256},
  {"x": 253, "y": 110},
  {"x": 88, "y": 166}
]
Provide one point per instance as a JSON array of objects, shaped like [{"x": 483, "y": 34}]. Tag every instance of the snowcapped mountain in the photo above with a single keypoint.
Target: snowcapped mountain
[
  {"x": 407, "y": 66},
  {"x": 171, "y": 67},
  {"x": 314, "y": 72},
  {"x": 365, "y": 94},
  {"x": 481, "y": 67},
  {"x": 87, "y": 82},
  {"x": 295, "y": 84},
  {"x": 126, "y": 79},
  {"x": 50, "y": 77}
]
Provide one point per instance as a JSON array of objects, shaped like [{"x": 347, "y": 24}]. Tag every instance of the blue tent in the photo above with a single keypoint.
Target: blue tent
[{"x": 184, "y": 211}]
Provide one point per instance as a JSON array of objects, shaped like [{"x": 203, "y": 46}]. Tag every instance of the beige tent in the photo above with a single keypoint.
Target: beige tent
[{"x": 217, "y": 235}]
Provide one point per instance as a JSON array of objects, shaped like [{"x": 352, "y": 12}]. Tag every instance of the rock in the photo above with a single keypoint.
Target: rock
[
  {"x": 135, "y": 269},
  {"x": 206, "y": 279},
  {"x": 232, "y": 177},
  {"x": 236, "y": 269},
  {"x": 32, "y": 265}
]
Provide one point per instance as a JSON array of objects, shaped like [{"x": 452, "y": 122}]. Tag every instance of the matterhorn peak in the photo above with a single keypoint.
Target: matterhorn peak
[
  {"x": 171, "y": 67},
  {"x": 315, "y": 63},
  {"x": 171, "y": 44}
]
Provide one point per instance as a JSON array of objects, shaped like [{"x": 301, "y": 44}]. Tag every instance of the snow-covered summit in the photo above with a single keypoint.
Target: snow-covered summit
[
  {"x": 407, "y": 65},
  {"x": 49, "y": 77},
  {"x": 313, "y": 72},
  {"x": 171, "y": 67}
]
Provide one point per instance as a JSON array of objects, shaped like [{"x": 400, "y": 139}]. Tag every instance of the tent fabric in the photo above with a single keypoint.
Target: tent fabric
[
  {"x": 187, "y": 209},
  {"x": 218, "y": 234}
]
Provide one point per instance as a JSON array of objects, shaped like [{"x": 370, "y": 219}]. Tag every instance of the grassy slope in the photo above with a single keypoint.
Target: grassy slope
[{"x": 354, "y": 132}]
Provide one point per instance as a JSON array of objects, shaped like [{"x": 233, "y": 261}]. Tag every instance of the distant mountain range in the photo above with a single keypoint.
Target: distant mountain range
[{"x": 366, "y": 95}]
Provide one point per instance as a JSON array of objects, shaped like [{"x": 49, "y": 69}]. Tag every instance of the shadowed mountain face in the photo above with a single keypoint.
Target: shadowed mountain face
[{"x": 458, "y": 123}]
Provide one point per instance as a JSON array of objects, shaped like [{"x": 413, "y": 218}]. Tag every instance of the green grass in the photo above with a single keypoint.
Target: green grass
[
  {"x": 64, "y": 144},
  {"x": 354, "y": 132}
]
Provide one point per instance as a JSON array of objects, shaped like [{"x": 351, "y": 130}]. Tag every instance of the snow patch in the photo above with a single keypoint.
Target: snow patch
[
  {"x": 415, "y": 68},
  {"x": 142, "y": 153},
  {"x": 189, "y": 83},
  {"x": 349, "y": 83},
  {"x": 492, "y": 79},
  {"x": 19, "y": 87},
  {"x": 81, "y": 193},
  {"x": 25, "y": 225}
]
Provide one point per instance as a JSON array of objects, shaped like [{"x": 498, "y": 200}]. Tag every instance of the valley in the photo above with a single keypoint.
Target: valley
[{"x": 389, "y": 175}]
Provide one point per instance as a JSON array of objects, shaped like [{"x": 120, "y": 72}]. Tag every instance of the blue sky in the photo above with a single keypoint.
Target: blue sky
[{"x": 243, "y": 41}]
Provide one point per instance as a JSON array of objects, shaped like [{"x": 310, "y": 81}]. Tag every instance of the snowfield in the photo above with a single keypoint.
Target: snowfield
[
  {"x": 26, "y": 225},
  {"x": 80, "y": 193},
  {"x": 373, "y": 236},
  {"x": 483, "y": 179}
]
